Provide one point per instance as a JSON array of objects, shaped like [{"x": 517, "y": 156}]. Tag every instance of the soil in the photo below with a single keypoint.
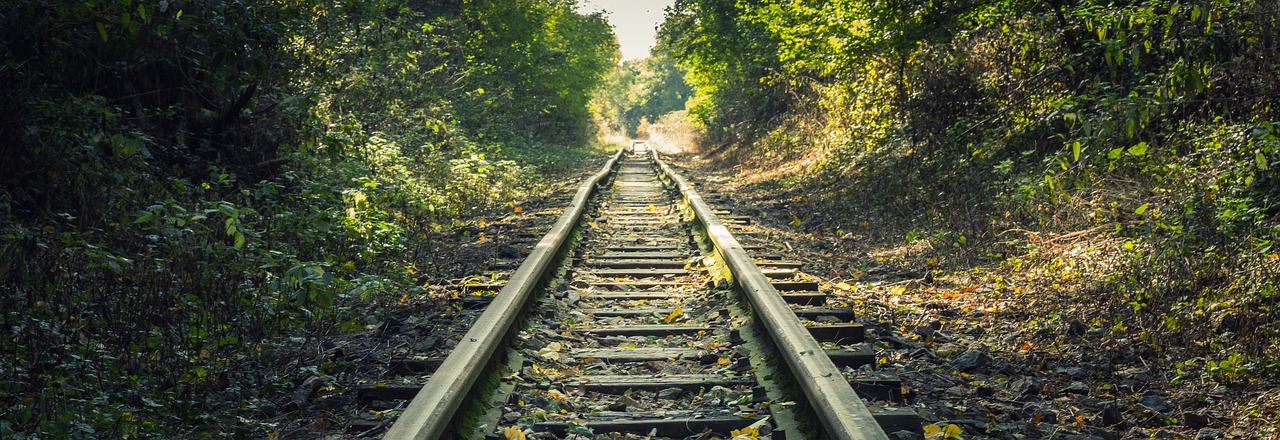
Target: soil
[{"x": 1008, "y": 348}]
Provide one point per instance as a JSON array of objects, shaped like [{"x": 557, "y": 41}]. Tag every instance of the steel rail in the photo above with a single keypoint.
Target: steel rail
[
  {"x": 841, "y": 411},
  {"x": 434, "y": 407}
]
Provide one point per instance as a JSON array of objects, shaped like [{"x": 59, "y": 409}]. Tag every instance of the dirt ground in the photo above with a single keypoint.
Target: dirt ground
[{"x": 1009, "y": 348}]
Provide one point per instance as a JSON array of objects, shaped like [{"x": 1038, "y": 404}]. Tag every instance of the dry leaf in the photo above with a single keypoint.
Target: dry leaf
[
  {"x": 675, "y": 314},
  {"x": 513, "y": 433}
]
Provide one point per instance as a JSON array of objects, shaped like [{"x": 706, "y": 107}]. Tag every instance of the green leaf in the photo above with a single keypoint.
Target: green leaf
[
  {"x": 1115, "y": 153},
  {"x": 1138, "y": 150},
  {"x": 1261, "y": 160},
  {"x": 1075, "y": 150},
  {"x": 239, "y": 240},
  {"x": 1142, "y": 209}
]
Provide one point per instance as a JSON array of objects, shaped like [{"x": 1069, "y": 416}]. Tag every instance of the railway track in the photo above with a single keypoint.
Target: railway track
[{"x": 641, "y": 315}]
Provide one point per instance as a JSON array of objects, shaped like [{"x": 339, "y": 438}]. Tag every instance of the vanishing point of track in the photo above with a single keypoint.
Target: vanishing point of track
[{"x": 641, "y": 315}]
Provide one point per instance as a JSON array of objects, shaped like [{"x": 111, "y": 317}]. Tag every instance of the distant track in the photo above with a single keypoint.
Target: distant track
[{"x": 640, "y": 313}]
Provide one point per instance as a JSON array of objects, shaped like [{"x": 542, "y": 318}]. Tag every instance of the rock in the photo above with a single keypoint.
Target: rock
[
  {"x": 1025, "y": 386},
  {"x": 509, "y": 252},
  {"x": 1137, "y": 374},
  {"x": 1078, "y": 388},
  {"x": 426, "y": 344},
  {"x": 655, "y": 366},
  {"x": 1074, "y": 373},
  {"x": 390, "y": 326},
  {"x": 722, "y": 284},
  {"x": 1195, "y": 419},
  {"x": 1111, "y": 415},
  {"x": 984, "y": 391},
  {"x": 302, "y": 395},
  {"x": 1155, "y": 402},
  {"x": 1076, "y": 328},
  {"x": 971, "y": 361},
  {"x": 906, "y": 435},
  {"x": 956, "y": 391},
  {"x": 947, "y": 350},
  {"x": 633, "y": 404},
  {"x": 926, "y": 331},
  {"x": 267, "y": 409},
  {"x": 572, "y": 296},
  {"x": 511, "y": 416},
  {"x": 1229, "y": 322},
  {"x": 1209, "y": 434},
  {"x": 670, "y": 393},
  {"x": 1081, "y": 437},
  {"x": 1046, "y": 415}
]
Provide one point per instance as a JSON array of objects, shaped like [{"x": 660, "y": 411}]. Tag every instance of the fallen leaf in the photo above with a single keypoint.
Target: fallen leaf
[
  {"x": 675, "y": 314},
  {"x": 513, "y": 433}
]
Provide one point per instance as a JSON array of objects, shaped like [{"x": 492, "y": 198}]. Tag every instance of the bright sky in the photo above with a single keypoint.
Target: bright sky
[{"x": 634, "y": 21}]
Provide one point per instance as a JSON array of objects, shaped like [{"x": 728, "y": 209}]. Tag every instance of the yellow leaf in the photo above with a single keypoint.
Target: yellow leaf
[
  {"x": 795, "y": 221},
  {"x": 513, "y": 433},
  {"x": 519, "y": 208},
  {"x": 675, "y": 314},
  {"x": 723, "y": 361},
  {"x": 951, "y": 431},
  {"x": 932, "y": 432}
]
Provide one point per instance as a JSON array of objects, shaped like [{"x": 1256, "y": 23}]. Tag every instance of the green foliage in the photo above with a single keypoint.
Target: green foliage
[
  {"x": 639, "y": 92},
  {"x": 730, "y": 61},
  {"x": 1151, "y": 122},
  {"x": 186, "y": 183}
]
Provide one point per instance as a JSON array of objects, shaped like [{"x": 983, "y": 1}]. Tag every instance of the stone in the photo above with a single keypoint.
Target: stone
[
  {"x": 1111, "y": 415},
  {"x": 1155, "y": 402},
  {"x": 947, "y": 350},
  {"x": 984, "y": 391},
  {"x": 1196, "y": 419},
  {"x": 1074, "y": 373},
  {"x": 1209, "y": 434},
  {"x": 1076, "y": 328},
  {"x": 1077, "y": 387},
  {"x": 906, "y": 435},
  {"x": 971, "y": 361},
  {"x": 670, "y": 393},
  {"x": 509, "y": 252},
  {"x": 1025, "y": 386},
  {"x": 1046, "y": 415},
  {"x": 572, "y": 296}
]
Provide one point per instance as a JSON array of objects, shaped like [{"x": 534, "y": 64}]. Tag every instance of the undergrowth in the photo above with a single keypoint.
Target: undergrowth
[
  {"x": 1138, "y": 142},
  {"x": 196, "y": 191}
]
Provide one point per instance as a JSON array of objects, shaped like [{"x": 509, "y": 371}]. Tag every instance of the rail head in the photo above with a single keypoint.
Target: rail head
[
  {"x": 842, "y": 412},
  {"x": 433, "y": 409}
]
